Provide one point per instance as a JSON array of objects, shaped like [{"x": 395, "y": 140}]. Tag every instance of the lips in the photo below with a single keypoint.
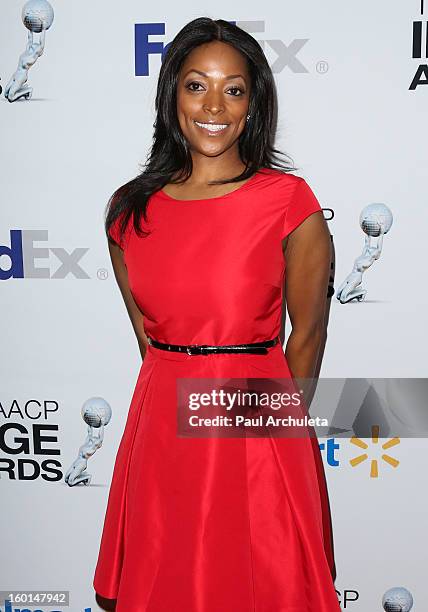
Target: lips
[{"x": 212, "y": 128}]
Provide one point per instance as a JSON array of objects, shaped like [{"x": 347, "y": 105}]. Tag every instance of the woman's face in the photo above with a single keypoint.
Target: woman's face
[{"x": 213, "y": 88}]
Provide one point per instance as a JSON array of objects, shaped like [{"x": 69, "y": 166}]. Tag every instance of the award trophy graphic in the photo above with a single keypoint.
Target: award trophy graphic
[
  {"x": 37, "y": 16},
  {"x": 397, "y": 599},
  {"x": 375, "y": 221},
  {"x": 96, "y": 413}
]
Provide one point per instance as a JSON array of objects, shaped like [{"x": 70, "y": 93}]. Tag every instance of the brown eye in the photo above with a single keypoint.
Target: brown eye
[
  {"x": 236, "y": 88},
  {"x": 189, "y": 86}
]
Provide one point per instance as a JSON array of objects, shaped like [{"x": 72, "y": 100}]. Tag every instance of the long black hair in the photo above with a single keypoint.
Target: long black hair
[{"x": 170, "y": 153}]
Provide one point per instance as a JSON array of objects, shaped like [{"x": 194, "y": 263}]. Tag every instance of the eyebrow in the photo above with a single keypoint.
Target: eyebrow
[{"x": 231, "y": 76}]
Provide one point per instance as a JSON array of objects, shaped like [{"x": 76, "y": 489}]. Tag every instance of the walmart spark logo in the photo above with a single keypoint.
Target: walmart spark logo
[{"x": 374, "y": 464}]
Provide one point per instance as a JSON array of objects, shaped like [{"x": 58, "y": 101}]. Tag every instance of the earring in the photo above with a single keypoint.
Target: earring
[{"x": 248, "y": 116}]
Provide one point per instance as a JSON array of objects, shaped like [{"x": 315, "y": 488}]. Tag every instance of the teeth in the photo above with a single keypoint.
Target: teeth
[{"x": 212, "y": 127}]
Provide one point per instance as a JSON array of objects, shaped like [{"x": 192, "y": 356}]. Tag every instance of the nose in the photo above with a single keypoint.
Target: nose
[{"x": 213, "y": 102}]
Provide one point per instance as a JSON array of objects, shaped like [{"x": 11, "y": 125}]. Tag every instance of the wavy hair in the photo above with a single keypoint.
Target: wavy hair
[{"x": 170, "y": 152}]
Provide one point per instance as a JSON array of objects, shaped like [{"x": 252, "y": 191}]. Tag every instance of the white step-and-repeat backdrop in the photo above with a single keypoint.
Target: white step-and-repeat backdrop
[{"x": 352, "y": 86}]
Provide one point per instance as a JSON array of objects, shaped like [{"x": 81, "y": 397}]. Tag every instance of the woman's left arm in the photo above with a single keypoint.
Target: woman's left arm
[{"x": 307, "y": 251}]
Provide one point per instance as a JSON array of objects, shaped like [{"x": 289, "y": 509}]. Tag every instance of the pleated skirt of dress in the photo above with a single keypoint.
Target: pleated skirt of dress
[{"x": 213, "y": 524}]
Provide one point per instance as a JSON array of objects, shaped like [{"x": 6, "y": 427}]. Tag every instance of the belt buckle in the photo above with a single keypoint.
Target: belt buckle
[{"x": 200, "y": 349}]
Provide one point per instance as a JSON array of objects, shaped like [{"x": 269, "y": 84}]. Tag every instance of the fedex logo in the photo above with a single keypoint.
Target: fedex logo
[
  {"x": 20, "y": 258},
  {"x": 144, "y": 47}
]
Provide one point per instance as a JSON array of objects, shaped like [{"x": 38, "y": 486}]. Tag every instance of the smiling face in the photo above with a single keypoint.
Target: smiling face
[{"x": 213, "y": 92}]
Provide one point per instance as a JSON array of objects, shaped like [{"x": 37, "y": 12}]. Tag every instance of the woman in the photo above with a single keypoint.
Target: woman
[{"x": 212, "y": 524}]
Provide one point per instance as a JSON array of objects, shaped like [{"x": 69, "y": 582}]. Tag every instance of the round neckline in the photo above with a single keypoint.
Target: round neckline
[{"x": 225, "y": 195}]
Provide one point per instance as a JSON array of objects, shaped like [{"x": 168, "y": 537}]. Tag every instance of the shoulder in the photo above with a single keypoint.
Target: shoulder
[
  {"x": 294, "y": 197},
  {"x": 280, "y": 180},
  {"x": 290, "y": 189}
]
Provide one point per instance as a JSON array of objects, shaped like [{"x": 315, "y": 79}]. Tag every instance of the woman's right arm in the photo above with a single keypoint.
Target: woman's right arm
[{"x": 135, "y": 314}]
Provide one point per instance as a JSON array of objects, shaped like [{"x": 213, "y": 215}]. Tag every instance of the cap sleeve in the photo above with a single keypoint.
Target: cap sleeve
[
  {"x": 114, "y": 233},
  {"x": 303, "y": 203}
]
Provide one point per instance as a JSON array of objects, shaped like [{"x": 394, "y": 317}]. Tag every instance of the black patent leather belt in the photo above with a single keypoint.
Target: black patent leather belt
[{"x": 206, "y": 349}]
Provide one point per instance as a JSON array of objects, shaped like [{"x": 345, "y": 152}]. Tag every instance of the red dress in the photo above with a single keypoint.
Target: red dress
[{"x": 214, "y": 524}]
